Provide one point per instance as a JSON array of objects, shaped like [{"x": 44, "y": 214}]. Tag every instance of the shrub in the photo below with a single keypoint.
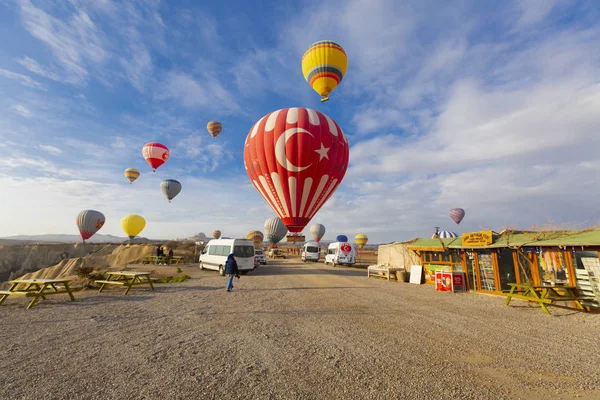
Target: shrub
[{"x": 84, "y": 271}]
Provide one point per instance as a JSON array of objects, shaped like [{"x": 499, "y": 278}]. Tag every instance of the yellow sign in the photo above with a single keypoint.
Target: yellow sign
[{"x": 477, "y": 238}]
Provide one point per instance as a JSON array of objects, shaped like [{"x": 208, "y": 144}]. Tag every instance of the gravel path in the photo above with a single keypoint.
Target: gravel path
[{"x": 294, "y": 331}]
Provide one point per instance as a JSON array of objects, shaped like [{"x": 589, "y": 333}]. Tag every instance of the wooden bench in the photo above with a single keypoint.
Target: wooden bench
[
  {"x": 125, "y": 278},
  {"x": 383, "y": 270},
  {"x": 163, "y": 260}
]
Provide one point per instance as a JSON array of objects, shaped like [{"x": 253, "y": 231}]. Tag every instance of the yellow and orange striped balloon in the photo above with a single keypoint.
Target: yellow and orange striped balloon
[
  {"x": 132, "y": 174},
  {"x": 361, "y": 239},
  {"x": 214, "y": 128},
  {"x": 324, "y": 65}
]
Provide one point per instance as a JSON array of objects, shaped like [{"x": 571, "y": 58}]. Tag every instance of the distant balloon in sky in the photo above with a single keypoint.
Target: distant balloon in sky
[
  {"x": 324, "y": 65},
  {"x": 361, "y": 240},
  {"x": 156, "y": 154},
  {"x": 216, "y": 234},
  {"x": 132, "y": 174},
  {"x": 170, "y": 188},
  {"x": 457, "y": 215},
  {"x": 89, "y": 222},
  {"x": 341, "y": 238},
  {"x": 214, "y": 128},
  {"x": 275, "y": 230},
  {"x": 257, "y": 237},
  {"x": 133, "y": 225},
  {"x": 296, "y": 158},
  {"x": 317, "y": 231}
]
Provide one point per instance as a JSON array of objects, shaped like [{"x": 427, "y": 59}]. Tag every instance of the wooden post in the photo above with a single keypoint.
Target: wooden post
[
  {"x": 515, "y": 257},
  {"x": 496, "y": 270}
]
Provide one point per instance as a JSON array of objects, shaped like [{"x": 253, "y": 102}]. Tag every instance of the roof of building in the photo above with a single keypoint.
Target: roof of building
[{"x": 509, "y": 238}]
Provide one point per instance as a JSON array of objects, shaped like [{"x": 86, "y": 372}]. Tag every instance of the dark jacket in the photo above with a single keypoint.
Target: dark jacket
[
  {"x": 231, "y": 265},
  {"x": 170, "y": 252}
]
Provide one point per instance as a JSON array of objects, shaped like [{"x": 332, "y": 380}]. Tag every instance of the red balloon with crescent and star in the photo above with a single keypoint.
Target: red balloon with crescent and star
[
  {"x": 296, "y": 158},
  {"x": 156, "y": 154}
]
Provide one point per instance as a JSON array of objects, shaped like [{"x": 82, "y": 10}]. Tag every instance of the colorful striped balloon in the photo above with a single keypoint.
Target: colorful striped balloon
[
  {"x": 214, "y": 128},
  {"x": 216, "y": 234},
  {"x": 457, "y": 215},
  {"x": 324, "y": 65},
  {"x": 156, "y": 154},
  {"x": 89, "y": 222},
  {"x": 132, "y": 174},
  {"x": 361, "y": 240},
  {"x": 444, "y": 235},
  {"x": 256, "y": 236}
]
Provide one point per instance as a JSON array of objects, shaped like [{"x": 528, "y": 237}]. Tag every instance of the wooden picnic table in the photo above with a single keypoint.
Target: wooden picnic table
[
  {"x": 37, "y": 288},
  {"x": 545, "y": 295},
  {"x": 162, "y": 260},
  {"x": 126, "y": 278}
]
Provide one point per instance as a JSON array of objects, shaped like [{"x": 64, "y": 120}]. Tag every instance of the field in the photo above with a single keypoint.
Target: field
[{"x": 291, "y": 330}]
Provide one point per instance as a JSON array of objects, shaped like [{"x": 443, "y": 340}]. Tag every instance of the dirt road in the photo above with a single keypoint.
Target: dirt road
[{"x": 294, "y": 331}]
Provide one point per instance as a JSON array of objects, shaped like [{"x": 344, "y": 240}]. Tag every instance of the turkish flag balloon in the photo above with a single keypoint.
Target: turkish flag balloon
[
  {"x": 156, "y": 154},
  {"x": 296, "y": 158}
]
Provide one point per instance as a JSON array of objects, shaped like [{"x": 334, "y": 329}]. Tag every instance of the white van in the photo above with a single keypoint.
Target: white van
[
  {"x": 310, "y": 252},
  {"x": 216, "y": 251},
  {"x": 340, "y": 253}
]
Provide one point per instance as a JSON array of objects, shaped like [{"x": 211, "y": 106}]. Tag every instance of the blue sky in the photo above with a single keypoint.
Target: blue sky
[{"x": 489, "y": 106}]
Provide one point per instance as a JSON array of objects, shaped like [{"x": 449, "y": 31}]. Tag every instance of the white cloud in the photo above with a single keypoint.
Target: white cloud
[
  {"x": 208, "y": 154},
  {"x": 19, "y": 163},
  {"x": 50, "y": 149},
  {"x": 22, "y": 110},
  {"x": 23, "y": 79},
  {"x": 118, "y": 143},
  {"x": 35, "y": 67}
]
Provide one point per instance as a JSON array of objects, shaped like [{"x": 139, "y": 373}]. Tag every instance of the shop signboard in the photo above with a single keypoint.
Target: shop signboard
[{"x": 483, "y": 238}]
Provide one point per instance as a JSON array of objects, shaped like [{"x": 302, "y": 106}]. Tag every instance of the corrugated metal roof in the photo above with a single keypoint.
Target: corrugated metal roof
[{"x": 588, "y": 237}]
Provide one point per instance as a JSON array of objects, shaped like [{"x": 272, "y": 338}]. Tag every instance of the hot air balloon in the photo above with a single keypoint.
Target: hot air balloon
[
  {"x": 444, "y": 235},
  {"x": 132, "y": 225},
  {"x": 275, "y": 230},
  {"x": 214, "y": 128},
  {"x": 361, "y": 239},
  {"x": 170, "y": 188},
  {"x": 296, "y": 158},
  {"x": 89, "y": 222},
  {"x": 324, "y": 65},
  {"x": 457, "y": 215},
  {"x": 317, "y": 231},
  {"x": 216, "y": 234},
  {"x": 257, "y": 237},
  {"x": 156, "y": 154},
  {"x": 132, "y": 174},
  {"x": 341, "y": 238}
]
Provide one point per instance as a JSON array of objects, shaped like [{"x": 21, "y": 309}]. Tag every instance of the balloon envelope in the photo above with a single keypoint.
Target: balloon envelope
[
  {"x": 296, "y": 158},
  {"x": 317, "y": 231},
  {"x": 133, "y": 225},
  {"x": 361, "y": 240},
  {"x": 341, "y": 238},
  {"x": 457, "y": 214},
  {"x": 275, "y": 230},
  {"x": 170, "y": 188},
  {"x": 256, "y": 236},
  {"x": 132, "y": 174},
  {"x": 324, "y": 65},
  {"x": 444, "y": 235},
  {"x": 89, "y": 222},
  {"x": 216, "y": 234},
  {"x": 214, "y": 128},
  {"x": 156, "y": 154}
]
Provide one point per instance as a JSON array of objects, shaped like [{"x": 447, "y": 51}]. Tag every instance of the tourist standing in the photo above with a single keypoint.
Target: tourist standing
[{"x": 231, "y": 270}]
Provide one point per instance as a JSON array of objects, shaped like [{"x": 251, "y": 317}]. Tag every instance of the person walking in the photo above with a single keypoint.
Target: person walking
[
  {"x": 231, "y": 270},
  {"x": 158, "y": 253}
]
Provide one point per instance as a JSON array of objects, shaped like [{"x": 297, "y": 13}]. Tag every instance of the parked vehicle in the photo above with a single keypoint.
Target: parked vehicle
[
  {"x": 310, "y": 252},
  {"x": 260, "y": 257},
  {"x": 340, "y": 253},
  {"x": 276, "y": 253},
  {"x": 216, "y": 251}
]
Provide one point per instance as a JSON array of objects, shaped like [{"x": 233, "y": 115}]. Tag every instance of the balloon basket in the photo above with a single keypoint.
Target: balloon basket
[{"x": 324, "y": 99}]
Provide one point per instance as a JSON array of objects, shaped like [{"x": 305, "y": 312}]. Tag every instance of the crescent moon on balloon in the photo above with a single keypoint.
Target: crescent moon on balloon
[{"x": 280, "y": 150}]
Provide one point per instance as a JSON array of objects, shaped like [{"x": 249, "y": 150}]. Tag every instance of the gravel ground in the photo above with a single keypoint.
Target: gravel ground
[{"x": 294, "y": 331}]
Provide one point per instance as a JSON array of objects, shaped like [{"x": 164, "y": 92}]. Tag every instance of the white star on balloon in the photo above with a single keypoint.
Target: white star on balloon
[{"x": 323, "y": 152}]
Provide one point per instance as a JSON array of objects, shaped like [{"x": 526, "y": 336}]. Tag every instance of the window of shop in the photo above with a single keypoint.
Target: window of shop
[
  {"x": 506, "y": 268},
  {"x": 552, "y": 266},
  {"x": 471, "y": 269},
  {"x": 525, "y": 264},
  {"x": 577, "y": 255},
  {"x": 486, "y": 270}
]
